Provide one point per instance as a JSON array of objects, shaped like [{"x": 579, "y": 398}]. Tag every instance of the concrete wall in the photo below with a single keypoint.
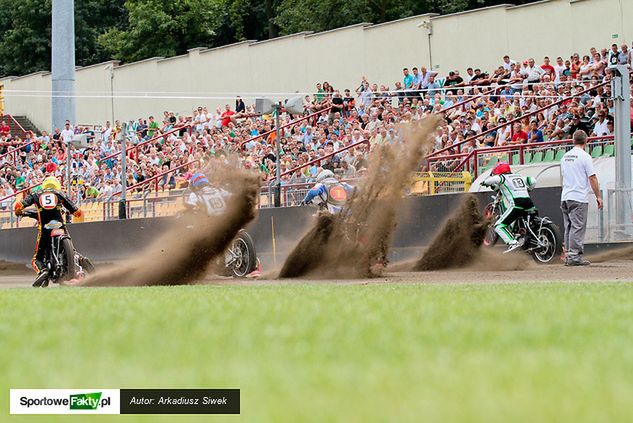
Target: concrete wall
[
  {"x": 418, "y": 221},
  {"x": 296, "y": 62}
]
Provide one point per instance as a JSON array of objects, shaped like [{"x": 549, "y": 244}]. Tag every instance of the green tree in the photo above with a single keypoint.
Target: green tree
[
  {"x": 164, "y": 28},
  {"x": 25, "y": 33}
]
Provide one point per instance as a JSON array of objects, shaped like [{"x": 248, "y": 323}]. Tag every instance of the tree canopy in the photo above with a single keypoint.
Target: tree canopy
[{"x": 130, "y": 30}]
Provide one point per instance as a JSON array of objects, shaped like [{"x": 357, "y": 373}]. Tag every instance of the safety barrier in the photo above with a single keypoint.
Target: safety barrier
[{"x": 431, "y": 183}]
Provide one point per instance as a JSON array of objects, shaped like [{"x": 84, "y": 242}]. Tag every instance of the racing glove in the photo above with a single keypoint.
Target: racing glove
[{"x": 78, "y": 213}]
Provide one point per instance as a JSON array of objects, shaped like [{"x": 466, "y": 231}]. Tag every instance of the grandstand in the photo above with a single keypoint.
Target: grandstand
[{"x": 519, "y": 112}]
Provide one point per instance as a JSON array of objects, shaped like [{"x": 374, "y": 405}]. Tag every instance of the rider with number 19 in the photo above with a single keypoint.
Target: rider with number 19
[
  {"x": 49, "y": 203},
  {"x": 515, "y": 190}
]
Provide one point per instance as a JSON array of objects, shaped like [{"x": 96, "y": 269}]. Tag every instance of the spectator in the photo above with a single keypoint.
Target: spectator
[
  {"x": 578, "y": 177},
  {"x": 240, "y": 107}
]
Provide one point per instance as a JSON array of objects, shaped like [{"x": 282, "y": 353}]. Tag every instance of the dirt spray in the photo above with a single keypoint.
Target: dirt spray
[
  {"x": 183, "y": 254},
  {"x": 354, "y": 243}
]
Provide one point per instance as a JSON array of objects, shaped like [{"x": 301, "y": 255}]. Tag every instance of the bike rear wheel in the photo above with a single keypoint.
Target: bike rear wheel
[
  {"x": 549, "y": 236},
  {"x": 67, "y": 256},
  {"x": 241, "y": 255},
  {"x": 490, "y": 214}
]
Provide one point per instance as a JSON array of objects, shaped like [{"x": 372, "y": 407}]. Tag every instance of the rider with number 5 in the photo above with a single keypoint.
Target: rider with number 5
[
  {"x": 49, "y": 204},
  {"x": 516, "y": 202}
]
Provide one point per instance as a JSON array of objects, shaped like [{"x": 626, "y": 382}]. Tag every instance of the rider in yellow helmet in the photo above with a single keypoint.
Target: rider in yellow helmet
[
  {"x": 49, "y": 203},
  {"x": 51, "y": 182}
]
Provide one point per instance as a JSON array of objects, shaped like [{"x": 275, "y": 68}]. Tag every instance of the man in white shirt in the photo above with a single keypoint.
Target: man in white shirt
[
  {"x": 576, "y": 168},
  {"x": 559, "y": 68},
  {"x": 532, "y": 72},
  {"x": 68, "y": 133},
  {"x": 508, "y": 64},
  {"x": 601, "y": 127}
]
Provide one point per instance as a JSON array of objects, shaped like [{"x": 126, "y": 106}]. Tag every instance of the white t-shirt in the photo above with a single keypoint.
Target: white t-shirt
[
  {"x": 601, "y": 128},
  {"x": 67, "y": 135},
  {"x": 576, "y": 167}
]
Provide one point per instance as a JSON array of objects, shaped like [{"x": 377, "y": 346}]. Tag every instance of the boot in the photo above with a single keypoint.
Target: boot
[{"x": 42, "y": 279}]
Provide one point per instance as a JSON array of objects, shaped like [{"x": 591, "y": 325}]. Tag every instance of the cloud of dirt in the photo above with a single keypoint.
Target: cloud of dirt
[
  {"x": 489, "y": 260},
  {"x": 625, "y": 253},
  {"x": 457, "y": 244},
  {"x": 183, "y": 254},
  {"x": 354, "y": 243}
]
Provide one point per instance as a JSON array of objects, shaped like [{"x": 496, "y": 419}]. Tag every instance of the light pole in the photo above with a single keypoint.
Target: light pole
[
  {"x": 63, "y": 62},
  {"x": 621, "y": 93},
  {"x": 277, "y": 156},
  {"x": 122, "y": 202}
]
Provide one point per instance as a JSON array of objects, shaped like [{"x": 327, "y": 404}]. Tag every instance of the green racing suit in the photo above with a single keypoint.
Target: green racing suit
[{"x": 515, "y": 192}]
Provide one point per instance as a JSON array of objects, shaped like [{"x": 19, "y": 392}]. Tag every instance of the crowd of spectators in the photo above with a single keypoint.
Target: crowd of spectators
[{"x": 366, "y": 115}]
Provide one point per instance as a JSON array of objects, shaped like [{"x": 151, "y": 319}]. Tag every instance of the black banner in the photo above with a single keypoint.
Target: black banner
[{"x": 180, "y": 401}]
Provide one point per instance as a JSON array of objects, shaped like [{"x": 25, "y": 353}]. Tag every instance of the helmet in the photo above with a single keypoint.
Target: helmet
[
  {"x": 51, "y": 182},
  {"x": 501, "y": 168},
  {"x": 325, "y": 174},
  {"x": 198, "y": 180}
]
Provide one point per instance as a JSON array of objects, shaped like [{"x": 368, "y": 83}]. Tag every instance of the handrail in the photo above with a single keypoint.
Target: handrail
[
  {"x": 159, "y": 175},
  {"x": 487, "y": 92},
  {"x": 15, "y": 194},
  {"x": 15, "y": 122},
  {"x": 15, "y": 150},
  {"x": 294, "y": 122},
  {"x": 318, "y": 159},
  {"x": 508, "y": 149},
  {"x": 162, "y": 135},
  {"x": 463, "y": 102},
  {"x": 512, "y": 147},
  {"x": 517, "y": 119}
]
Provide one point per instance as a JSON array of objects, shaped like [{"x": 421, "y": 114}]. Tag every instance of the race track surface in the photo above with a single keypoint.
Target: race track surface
[{"x": 621, "y": 270}]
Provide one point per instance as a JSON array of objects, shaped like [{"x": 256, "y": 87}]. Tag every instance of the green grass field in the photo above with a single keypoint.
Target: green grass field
[{"x": 320, "y": 352}]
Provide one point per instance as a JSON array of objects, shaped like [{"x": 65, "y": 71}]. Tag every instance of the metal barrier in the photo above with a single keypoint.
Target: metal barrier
[
  {"x": 431, "y": 183},
  {"x": 618, "y": 226}
]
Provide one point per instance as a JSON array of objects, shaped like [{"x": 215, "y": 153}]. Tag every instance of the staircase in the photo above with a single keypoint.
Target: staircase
[
  {"x": 19, "y": 125},
  {"x": 26, "y": 124}
]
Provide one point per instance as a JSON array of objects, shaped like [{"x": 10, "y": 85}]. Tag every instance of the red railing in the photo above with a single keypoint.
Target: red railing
[
  {"x": 16, "y": 128},
  {"x": 512, "y": 121},
  {"x": 294, "y": 122},
  {"x": 15, "y": 151},
  {"x": 143, "y": 143},
  {"x": 511, "y": 150},
  {"x": 326, "y": 156},
  {"x": 156, "y": 177}
]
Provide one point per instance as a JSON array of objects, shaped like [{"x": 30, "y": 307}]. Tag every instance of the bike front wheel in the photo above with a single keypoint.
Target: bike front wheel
[{"x": 549, "y": 244}]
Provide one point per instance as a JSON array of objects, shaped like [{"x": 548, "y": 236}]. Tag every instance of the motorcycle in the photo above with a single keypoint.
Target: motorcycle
[
  {"x": 541, "y": 237},
  {"x": 240, "y": 258},
  {"x": 63, "y": 262}
]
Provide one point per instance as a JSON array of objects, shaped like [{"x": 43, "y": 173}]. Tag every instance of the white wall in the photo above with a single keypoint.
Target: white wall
[{"x": 476, "y": 38}]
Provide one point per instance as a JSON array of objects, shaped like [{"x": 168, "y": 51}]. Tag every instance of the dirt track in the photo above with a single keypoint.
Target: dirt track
[{"x": 600, "y": 272}]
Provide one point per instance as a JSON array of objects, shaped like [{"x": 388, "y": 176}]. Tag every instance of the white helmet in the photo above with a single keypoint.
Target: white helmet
[{"x": 325, "y": 174}]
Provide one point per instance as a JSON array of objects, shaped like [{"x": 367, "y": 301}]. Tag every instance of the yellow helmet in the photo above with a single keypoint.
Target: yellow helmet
[{"x": 51, "y": 182}]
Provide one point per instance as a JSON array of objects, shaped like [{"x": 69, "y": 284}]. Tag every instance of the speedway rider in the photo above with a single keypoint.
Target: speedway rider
[
  {"x": 49, "y": 203},
  {"x": 516, "y": 202},
  {"x": 203, "y": 196},
  {"x": 328, "y": 193}
]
